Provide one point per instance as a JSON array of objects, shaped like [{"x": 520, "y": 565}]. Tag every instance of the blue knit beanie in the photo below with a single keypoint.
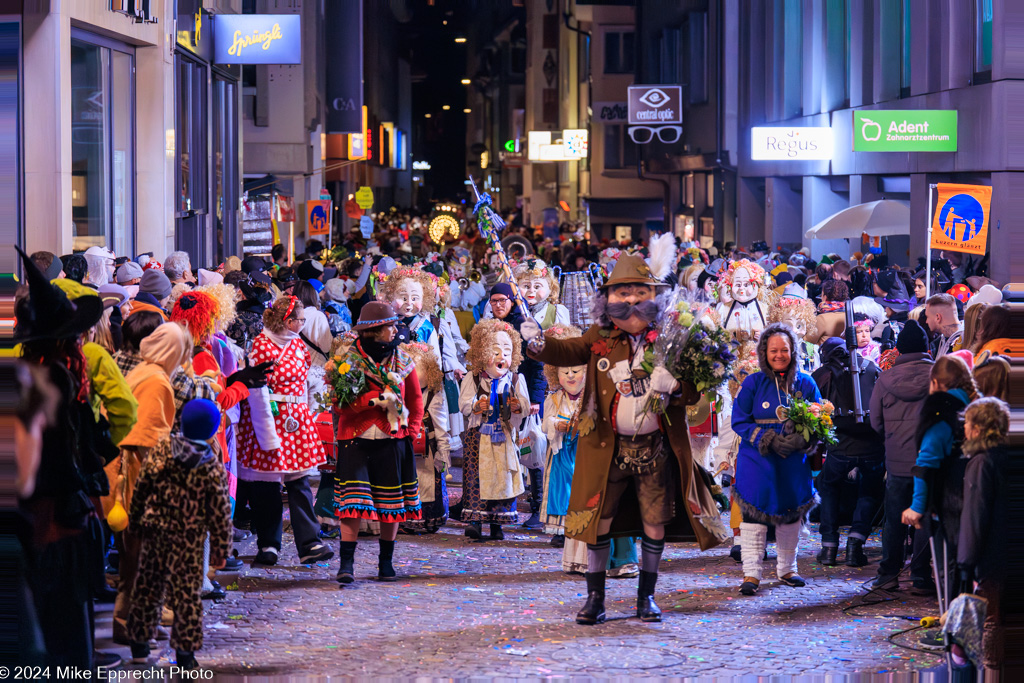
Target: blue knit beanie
[{"x": 200, "y": 419}]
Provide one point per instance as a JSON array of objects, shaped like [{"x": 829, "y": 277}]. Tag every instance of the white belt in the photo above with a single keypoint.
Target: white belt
[{"x": 282, "y": 398}]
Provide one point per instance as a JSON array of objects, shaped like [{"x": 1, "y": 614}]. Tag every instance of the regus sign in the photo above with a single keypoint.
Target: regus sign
[
  {"x": 922, "y": 130},
  {"x": 790, "y": 144}
]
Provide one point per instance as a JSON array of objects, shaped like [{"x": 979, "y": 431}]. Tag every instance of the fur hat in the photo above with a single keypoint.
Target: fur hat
[{"x": 762, "y": 351}]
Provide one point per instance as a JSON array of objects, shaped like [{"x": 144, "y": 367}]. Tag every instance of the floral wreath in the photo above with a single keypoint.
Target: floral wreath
[
  {"x": 757, "y": 273},
  {"x": 388, "y": 285},
  {"x": 536, "y": 269}
]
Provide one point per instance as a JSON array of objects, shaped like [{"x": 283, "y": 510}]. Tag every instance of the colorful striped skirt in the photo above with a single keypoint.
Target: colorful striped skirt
[{"x": 376, "y": 479}]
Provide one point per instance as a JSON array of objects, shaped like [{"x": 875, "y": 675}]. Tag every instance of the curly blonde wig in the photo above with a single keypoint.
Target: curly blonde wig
[
  {"x": 427, "y": 368},
  {"x": 801, "y": 308},
  {"x": 482, "y": 340},
  {"x": 535, "y": 269},
  {"x": 387, "y": 289},
  {"x": 225, "y": 297},
  {"x": 274, "y": 317},
  {"x": 991, "y": 417},
  {"x": 558, "y": 332}
]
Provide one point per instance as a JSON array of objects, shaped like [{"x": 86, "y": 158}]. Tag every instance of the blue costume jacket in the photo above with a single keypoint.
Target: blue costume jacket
[{"x": 771, "y": 489}]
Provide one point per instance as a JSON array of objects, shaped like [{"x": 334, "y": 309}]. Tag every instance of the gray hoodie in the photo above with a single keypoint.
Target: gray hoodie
[{"x": 896, "y": 404}]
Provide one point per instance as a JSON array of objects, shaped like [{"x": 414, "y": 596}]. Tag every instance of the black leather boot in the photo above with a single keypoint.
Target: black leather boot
[
  {"x": 386, "y": 570},
  {"x": 827, "y": 555},
  {"x": 346, "y": 566},
  {"x": 855, "y": 556},
  {"x": 536, "y": 494},
  {"x": 646, "y": 608},
  {"x": 593, "y": 609}
]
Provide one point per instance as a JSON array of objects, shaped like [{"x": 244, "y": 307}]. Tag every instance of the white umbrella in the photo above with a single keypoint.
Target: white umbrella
[{"x": 879, "y": 219}]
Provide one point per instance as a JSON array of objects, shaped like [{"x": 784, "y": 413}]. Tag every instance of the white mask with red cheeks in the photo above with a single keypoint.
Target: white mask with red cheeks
[
  {"x": 535, "y": 290},
  {"x": 744, "y": 288},
  {"x": 499, "y": 358},
  {"x": 408, "y": 298},
  {"x": 572, "y": 378},
  {"x": 797, "y": 323}
]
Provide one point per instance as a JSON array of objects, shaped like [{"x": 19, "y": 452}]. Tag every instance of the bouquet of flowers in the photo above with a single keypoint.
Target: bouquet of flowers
[
  {"x": 690, "y": 346},
  {"x": 345, "y": 379},
  {"x": 810, "y": 419}
]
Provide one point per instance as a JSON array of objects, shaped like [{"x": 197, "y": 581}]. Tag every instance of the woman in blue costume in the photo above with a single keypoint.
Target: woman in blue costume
[{"x": 773, "y": 484}]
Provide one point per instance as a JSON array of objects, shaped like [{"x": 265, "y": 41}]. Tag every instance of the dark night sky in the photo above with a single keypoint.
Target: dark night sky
[{"x": 438, "y": 64}]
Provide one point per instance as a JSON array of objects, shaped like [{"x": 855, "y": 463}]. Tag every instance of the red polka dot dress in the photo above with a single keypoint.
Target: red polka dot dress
[{"x": 301, "y": 449}]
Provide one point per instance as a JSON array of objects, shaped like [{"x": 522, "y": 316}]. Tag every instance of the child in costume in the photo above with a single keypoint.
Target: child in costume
[
  {"x": 561, "y": 417},
  {"x": 181, "y": 496},
  {"x": 431, "y": 447},
  {"x": 494, "y": 401}
]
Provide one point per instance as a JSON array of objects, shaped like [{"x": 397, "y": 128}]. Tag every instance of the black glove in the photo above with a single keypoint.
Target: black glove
[
  {"x": 252, "y": 377},
  {"x": 786, "y": 445}
]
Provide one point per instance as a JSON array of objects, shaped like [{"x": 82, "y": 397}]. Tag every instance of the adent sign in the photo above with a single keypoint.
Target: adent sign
[
  {"x": 922, "y": 130},
  {"x": 257, "y": 39},
  {"x": 790, "y": 144}
]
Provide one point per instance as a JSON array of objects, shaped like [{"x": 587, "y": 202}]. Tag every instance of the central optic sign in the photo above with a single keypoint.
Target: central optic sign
[
  {"x": 257, "y": 39},
  {"x": 655, "y": 104},
  {"x": 790, "y": 144},
  {"x": 919, "y": 130}
]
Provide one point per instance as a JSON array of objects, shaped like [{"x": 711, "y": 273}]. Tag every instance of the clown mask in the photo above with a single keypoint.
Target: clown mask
[
  {"x": 572, "y": 378},
  {"x": 633, "y": 294},
  {"x": 408, "y": 298},
  {"x": 499, "y": 358},
  {"x": 797, "y": 323},
  {"x": 535, "y": 290},
  {"x": 744, "y": 288}
]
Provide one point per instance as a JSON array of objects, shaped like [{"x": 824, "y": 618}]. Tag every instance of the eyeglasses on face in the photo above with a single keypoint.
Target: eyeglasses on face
[
  {"x": 641, "y": 135},
  {"x": 502, "y": 300}
]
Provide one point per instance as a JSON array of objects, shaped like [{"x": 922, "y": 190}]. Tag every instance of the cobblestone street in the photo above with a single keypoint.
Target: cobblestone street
[{"x": 506, "y": 609}]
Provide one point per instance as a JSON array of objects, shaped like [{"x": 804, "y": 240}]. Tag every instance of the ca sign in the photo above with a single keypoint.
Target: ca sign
[{"x": 790, "y": 144}]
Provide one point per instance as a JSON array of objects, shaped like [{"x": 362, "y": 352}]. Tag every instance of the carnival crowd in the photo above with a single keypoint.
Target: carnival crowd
[{"x": 164, "y": 409}]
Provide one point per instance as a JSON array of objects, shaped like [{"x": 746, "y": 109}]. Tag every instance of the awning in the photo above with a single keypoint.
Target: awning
[
  {"x": 629, "y": 210},
  {"x": 878, "y": 219}
]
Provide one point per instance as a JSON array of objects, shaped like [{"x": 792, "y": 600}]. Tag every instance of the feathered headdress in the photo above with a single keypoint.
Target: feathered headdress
[{"x": 663, "y": 255}]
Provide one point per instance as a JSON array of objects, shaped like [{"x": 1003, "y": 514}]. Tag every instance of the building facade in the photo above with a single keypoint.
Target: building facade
[{"x": 127, "y": 134}]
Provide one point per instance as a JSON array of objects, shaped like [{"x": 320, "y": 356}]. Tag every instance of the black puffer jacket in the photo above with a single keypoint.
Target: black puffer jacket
[
  {"x": 854, "y": 439},
  {"x": 896, "y": 402}
]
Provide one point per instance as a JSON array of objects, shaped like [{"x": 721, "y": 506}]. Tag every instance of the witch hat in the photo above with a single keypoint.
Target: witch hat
[{"x": 47, "y": 313}]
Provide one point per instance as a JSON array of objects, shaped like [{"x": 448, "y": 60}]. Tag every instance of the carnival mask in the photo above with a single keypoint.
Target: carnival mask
[
  {"x": 408, "y": 299},
  {"x": 744, "y": 289},
  {"x": 535, "y": 290},
  {"x": 499, "y": 358},
  {"x": 634, "y": 295},
  {"x": 797, "y": 323},
  {"x": 572, "y": 378}
]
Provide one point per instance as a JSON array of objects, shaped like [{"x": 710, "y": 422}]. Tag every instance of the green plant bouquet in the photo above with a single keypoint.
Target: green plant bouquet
[{"x": 811, "y": 420}]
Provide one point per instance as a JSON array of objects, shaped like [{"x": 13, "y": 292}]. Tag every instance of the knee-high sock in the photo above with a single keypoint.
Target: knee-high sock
[
  {"x": 207, "y": 584},
  {"x": 754, "y": 539},
  {"x": 787, "y": 538},
  {"x": 650, "y": 554},
  {"x": 597, "y": 554}
]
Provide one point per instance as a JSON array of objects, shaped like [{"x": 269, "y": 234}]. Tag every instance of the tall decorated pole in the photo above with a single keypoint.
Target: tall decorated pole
[{"x": 490, "y": 225}]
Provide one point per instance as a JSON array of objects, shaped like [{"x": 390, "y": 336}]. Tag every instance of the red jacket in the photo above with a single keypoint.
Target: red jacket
[{"x": 358, "y": 416}]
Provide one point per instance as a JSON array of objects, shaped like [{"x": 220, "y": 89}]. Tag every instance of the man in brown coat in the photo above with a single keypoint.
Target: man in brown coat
[{"x": 633, "y": 476}]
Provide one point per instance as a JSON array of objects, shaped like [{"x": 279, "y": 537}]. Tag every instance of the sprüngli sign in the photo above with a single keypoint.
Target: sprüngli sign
[
  {"x": 257, "y": 39},
  {"x": 921, "y": 130}
]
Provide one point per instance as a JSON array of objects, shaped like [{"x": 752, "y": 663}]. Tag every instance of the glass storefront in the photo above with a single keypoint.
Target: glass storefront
[
  {"x": 225, "y": 167},
  {"x": 102, "y": 143}
]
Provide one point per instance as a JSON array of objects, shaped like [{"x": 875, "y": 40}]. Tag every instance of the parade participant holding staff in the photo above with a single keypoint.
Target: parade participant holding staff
[
  {"x": 378, "y": 420},
  {"x": 616, "y": 451},
  {"x": 775, "y": 485}
]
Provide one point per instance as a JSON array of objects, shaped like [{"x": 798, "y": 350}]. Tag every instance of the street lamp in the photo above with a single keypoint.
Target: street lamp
[
  {"x": 465, "y": 81},
  {"x": 466, "y": 111},
  {"x": 460, "y": 40},
  {"x": 446, "y": 107}
]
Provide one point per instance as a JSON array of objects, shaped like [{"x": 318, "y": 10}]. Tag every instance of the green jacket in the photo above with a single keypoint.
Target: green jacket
[{"x": 110, "y": 390}]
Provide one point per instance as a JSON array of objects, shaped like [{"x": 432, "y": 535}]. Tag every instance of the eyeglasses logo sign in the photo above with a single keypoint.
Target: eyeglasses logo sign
[{"x": 652, "y": 104}]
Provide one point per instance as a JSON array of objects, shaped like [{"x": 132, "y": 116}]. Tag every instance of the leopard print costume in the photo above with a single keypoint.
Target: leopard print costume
[{"x": 173, "y": 508}]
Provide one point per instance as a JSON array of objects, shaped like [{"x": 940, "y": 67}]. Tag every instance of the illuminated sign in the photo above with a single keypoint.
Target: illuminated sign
[
  {"x": 257, "y": 39},
  {"x": 790, "y": 144},
  {"x": 918, "y": 130},
  {"x": 655, "y": 104},
  {"x": 571, "y": 147},
  {"x": 421, "y": 165}
]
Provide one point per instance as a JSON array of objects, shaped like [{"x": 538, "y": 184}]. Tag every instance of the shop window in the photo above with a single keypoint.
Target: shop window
[
  {"x": 619, "y": 52},
  {"x": 225, "y": 167},
  {"x": 191, "y": 136},
  {"x": 785, "y": 35},
  {"x": 837, "y": 46},
  {"x": 619, "y": 149},
  {"x": 983, "y": 36},
  {"x": 906, "y": 47},
  {"x": 102, "y": 143},
  {"x": 696, "y": 56}
]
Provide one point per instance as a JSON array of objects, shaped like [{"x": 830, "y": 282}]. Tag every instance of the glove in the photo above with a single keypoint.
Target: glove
[
  {"x": 663, "y": 382},
  {"x": 252, "y": 377},
  {"x": 787, "y": 444},
  {"x": 530, "y": 330}
]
